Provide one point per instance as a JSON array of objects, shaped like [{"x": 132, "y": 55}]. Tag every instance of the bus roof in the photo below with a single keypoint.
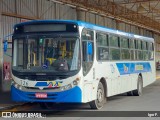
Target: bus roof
[
  {"x": 113, "y": 31},
  {"x": 94, "y": 27}
]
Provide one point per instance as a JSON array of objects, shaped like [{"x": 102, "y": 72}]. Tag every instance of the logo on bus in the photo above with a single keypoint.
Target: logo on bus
[
  {"x": 54, "y": 84},
  {"x": 130, "y": 68},
  {"x": 49, "y": 84},
  {"x": 125, "y": 68}
]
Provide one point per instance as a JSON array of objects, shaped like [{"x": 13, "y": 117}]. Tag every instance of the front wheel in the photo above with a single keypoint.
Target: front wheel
[{"x": 99, "y": 102}]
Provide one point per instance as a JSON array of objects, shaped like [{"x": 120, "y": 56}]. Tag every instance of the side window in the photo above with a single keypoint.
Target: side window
[
  {"x": 145, "y": 50},
  {"x": 144, "y": 45},
  {"x": 136, "y": 44},
  {"x": 136, "y": 49},
  {"x": 102, "y": 46},
  {"x": 102, "y": 39},
  {"x": 151, "y": 50},
  {"x": 87, "y": 34},
  {"x": 114, "y": 47},
  {"x": 139, "y": 44},
  {"x": 150, "y": 46},
  {"x": 87, "y": 50},
  {"x": 125, "y": 52},
  {"x": 124, "y": 43},
  {"x": 140, "y": 53},
  {"x": 132, "y": 44},
  {"x": 114, "y": 41},
  {"x": 132, "y": 48}
]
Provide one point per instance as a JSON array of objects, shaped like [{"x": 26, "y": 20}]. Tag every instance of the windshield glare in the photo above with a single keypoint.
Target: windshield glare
[{"x": 46, "y": 54}]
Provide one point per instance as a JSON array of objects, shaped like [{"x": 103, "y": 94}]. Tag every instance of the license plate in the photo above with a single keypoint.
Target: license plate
[{"x": 41, "y": 95}]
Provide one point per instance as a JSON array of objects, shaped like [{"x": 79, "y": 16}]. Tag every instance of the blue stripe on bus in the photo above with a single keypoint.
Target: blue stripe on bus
[
  {"x": 73, "y": 95},
  {"x": 40, "y": 84},
  {"x": 130, "y": 68}
]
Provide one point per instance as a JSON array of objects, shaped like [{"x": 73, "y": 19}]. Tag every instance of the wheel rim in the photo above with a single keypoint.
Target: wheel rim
[
  {"x": 99, "y": 102},
  {"x": 100, "y": 95}
]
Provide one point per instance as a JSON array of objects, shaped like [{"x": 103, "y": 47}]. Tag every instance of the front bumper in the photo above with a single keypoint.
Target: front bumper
[{"x": 73, "y": 95}]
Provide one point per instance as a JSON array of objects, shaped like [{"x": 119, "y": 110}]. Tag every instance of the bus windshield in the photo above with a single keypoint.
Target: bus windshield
[{"x": 46, "y": 54}]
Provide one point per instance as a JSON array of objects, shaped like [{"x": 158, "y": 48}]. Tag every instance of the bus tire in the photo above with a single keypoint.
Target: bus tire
[
  {"x": 99, "y": 102},
  {"x": 139, "y": 90}
]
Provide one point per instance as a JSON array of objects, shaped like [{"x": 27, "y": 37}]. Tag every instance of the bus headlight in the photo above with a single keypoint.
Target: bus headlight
[{"x": 69, "y": 86}]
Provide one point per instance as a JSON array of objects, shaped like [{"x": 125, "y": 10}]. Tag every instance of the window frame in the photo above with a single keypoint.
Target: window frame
[
  {"x": 82, "y": 58},
  {"x": 102, "y": 46},
  {"x": 125, "y": 48},
  {"x": 145, "y": 50},
  {"x": 132, "y": 48},
  {"x": 114, "y": 47},
  {"x": 151, "y": 50}
]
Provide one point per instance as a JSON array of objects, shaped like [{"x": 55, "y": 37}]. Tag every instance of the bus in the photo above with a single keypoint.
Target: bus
[{"x": 69, "y": 61}]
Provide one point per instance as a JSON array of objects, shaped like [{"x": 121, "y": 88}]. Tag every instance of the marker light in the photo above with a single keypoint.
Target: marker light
[{"x": 69, "y": 86}]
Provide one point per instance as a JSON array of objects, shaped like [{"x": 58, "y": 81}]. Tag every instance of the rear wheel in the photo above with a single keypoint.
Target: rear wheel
[
  {"x": 99, "y": 102},
  {"x": 139, "y": 90}
]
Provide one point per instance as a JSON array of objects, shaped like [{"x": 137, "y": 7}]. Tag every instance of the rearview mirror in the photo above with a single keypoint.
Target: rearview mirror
[{"x": 89, "y": 48}]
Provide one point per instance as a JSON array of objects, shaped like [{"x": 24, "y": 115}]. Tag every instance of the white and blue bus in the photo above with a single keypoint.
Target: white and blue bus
[{"x": 65, "y": 61}]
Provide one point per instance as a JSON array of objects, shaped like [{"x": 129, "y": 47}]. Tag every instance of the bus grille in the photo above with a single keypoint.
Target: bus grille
[{"x": 35, "y": 88}]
